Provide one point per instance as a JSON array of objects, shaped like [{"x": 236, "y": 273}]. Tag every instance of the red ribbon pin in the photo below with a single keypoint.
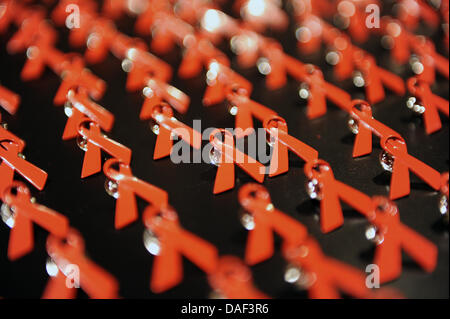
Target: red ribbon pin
[
  {"x": 122, "y": 185},
  {"x": 233, "y": 280},
  {"x": 281, "y": 142},
  {"x": 23, "y": 212},
  {"x": 168, "y": 241},
  {"x": 93, "y": 141},
  {"x": 265, "y": 219},
  {"x": 225, "y": 155},
  {"x": 72, "y": 264},
  {"x": 167, "y": 125}
]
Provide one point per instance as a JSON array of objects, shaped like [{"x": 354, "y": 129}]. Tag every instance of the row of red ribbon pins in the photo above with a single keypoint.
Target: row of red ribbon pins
[{"x": 227, "y": 275}]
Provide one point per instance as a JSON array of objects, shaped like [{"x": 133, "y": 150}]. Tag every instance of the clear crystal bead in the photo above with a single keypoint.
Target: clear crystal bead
[
  {"x": 32, "y": 51},
  {"x": 299, "y": 277},
  {"x": 7, "y": 213},
  {"x": 215, "y": 156},
  {"x": 233, "y": 110},
  {"x": 443, "y": 207},
  {"x": 93, "y": 40},
  {"x": 151, "y": 243},
  {"x": 374, "y": 235},
  {"x": 263, "y": 65},
  {"x": 82, "y": 143},
  {"x": 292, "y": 274},
  {"x": 353, "y": 125},
  {"x": 127, "y": 65},
  {"x": 68, "y": 109},
  {"x": 332, "y": 58},
  {"x": 416, "y": 65},
  {"x": 358, "y": 79},
  {"x": 112, "y": 188},
  {"x": 387, "y": 161},
  {"x": 51, "y": 267},
  {"x": 415, "y": 105},
  {"x": 303, "y": 91},
  {"x": 154, "y": 126},
  {"x": 248, "y": 221},
  {"x": 313, "y": 188}
]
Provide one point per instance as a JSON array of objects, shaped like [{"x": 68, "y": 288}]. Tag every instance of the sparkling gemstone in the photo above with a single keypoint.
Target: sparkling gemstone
[
  {"x": 112, "y": 188},
  {"x": 374, "y": 235},
  {"x": 93, "y": 41},
  {"x": 7, "y": 214},
  {"x": 154, "y": 126},
  {"x": 353, "y": 125},
  {"x": 332, "y": 58},
  {"x": 248, "y": 221},
  {"x": 358, "y": 79},
  {"x": 443, "y": 207},
  {"x": 292, "y": 274},
  {"x": 127, "y": 65},
  {"x": 415, "y": 105},
  {"x": 151, "y": 243},
  {"x": 215, "y": 156},
  {"x": 82, "y": 143},
  {"x": 303, "y": 91},
  {"x": 299, "y": 277},
  {"x": 32, "y": 52},
  {"x": 51, "y": 267},
  {"x": 264, "y": 66},
  {"x": 313, "y": 188},
  {"x": 387, "y": 161},
  {"x": 68, "y": 109}
]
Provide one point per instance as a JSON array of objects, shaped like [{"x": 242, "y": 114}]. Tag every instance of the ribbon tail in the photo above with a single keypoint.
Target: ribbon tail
[
  {"x": 21, "y": 240},
  {"x": 167, "y": 269},
  {"x": 56, "y": 288},
  {"x": 388, "y": 257},
  {"x": 259, "y": 244},
  {"x": 164, "y": 143}
]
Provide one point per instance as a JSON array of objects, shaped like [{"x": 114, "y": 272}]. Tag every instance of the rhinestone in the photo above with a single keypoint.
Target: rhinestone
[
  {"x": 51, "y": 267},
  {"x": 151, "y": 243},
  {"x": 68, "y": 109},
  {"x": 373, "y": 234},
  {"x": 127, "y": 65},
  {"x": 303, "y": 91},
  {"x": 215, "y": 156},
  {"x": 353, "y": 125},
  {"x": 112, "y": 188},
  {"x": 7, "y": 214},
  {"x": 248, "y": 221},
  {"x": 82, "y": 143},
  {"x": 443, "y": 207},
  {"x": 358, "y": 79},
  {"x": 313, "y": 188},
  {"x": 292, "y": 274},
  {"x": 154, "y": 127},
  {"x": 264, "y": 66},
  {"x": 332, "y": 58},
  {"x": 415, "y": 105},
  {"x": 387, "y": 161}
]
